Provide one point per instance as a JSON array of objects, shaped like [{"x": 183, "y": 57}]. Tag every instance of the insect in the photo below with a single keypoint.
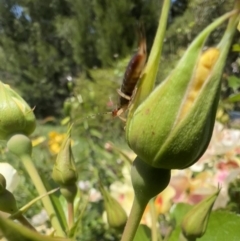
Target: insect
[{"x": 132, "y": 74}]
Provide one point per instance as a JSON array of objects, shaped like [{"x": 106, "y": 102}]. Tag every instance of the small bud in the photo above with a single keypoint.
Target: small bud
[
  {"x": 172, "y": 128},
  {"x": 16, "y": 115},
  {"x": 20, "y": 145},
  {"x": 64, "y": 170},
  {"x": 3, "y": 183},
  {"x": 195, "y": 222},
  {"x": 7, "y": 202},
  {"x": 116, "y": 216},
  {"x": 148, "y": 181}
]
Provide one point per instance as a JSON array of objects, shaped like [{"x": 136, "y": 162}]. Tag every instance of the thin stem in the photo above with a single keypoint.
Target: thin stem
[
  {"x": 25, "y": 222},
  {"x": 36, "y": 179},
  {"x": 155, "y": 233},
  {"x": 70, "y": 215},
  {"x": 134, "y": 219}
]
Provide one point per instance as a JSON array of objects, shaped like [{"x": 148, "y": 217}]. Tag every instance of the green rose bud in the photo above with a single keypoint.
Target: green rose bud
[
  {"x": 20, "y": 145},
  {"x": 116, "y": 216},
  {"x": 16, "y": 115},
  {"x": 7, "y": 202},
  {"x": 171, "y": 128},
  {"x": 64, "y": 170},
  {"x": 194, "y": 223}
]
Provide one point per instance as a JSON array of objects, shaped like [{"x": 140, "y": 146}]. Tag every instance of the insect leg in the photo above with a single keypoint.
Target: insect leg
[{"x": 127, "y": 97}]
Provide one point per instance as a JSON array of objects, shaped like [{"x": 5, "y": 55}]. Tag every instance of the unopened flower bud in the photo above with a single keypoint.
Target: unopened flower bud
[
  {"x": 116, "y": 216},
  {"x": 172, "y": 128},
  {"x": 20, "y": 145},
  {"x": 195, "y": 222},
  {"x": 7, "y": 202},
  {"x": 64, "y": 170},
  {"x": 15, "y": 114}
]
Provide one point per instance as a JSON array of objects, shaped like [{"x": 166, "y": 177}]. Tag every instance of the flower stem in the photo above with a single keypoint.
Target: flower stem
[
  {"x": 70, "y": 215},
  {"x": 25, "y": 222},
  {"x": 155, "y": 233},
  {"x": 134, "y": 219},
  {"x": 34, "y": 175}
]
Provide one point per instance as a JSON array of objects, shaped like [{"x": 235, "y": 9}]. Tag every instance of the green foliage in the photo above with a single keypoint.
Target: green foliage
[
  {"x": 43, "y": 42},
  {"x": 233, "y": 82},
  {"x": 143, "y": 233},
  {"x": 95, "y": 101}
]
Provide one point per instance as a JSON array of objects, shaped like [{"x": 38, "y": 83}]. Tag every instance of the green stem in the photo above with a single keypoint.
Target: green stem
[
  {"x": 154, "y": 231},
  {"x": 34, "y": 175},
  {"x": 134, "y": 219},
  {"x": 25, "y": 222},
  {"x": 70, "y": 215}
]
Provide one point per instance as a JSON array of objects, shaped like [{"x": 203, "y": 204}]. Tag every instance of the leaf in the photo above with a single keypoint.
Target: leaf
[
  {"x": 16, "y": 232},
  {"x": 96, "y": 133},
  {"x": 233, "y": 82},
  {"x": 234, "y": 98},
  {"x": 143, "y": 233},
  {"x": 222, "y": 226},
  {"x": 56, "y": 204},
  {"x": 236, "y": 48}
]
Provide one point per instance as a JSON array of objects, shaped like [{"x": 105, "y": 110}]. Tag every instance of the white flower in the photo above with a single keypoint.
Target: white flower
[
  {"x": 94, "y": 195},
  {"x": 40, "y": 218},
  {"x": 84, "y": 185},
  {"x": 10, "y": 174}
]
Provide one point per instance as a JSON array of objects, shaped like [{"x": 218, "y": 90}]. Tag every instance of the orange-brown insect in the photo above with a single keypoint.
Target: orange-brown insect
[{"x": 132, "y": 74}]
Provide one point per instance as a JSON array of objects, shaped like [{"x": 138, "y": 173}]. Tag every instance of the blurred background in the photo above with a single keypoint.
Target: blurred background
[{"x": 67, "y": 58}]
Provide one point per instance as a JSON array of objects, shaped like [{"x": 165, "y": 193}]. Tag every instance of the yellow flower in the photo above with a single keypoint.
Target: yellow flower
[{"x": 55, "y": 141}]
